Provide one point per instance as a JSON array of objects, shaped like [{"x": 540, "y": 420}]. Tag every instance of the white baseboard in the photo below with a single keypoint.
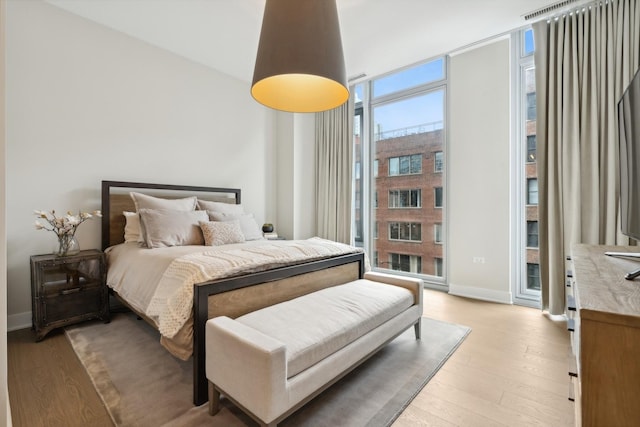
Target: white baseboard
[
  {"x": 503, "y": 297},
  {"x": 18, "y": 321}
]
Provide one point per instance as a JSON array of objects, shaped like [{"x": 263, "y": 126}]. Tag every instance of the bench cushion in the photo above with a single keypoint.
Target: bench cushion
[{"x": 328, "y": 320}]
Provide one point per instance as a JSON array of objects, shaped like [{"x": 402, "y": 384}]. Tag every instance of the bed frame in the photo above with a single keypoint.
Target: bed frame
[{"x": 232, "y": 296}]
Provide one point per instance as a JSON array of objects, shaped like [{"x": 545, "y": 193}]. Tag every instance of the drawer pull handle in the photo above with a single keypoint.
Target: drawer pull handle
[{"x": 70, "y": 291}]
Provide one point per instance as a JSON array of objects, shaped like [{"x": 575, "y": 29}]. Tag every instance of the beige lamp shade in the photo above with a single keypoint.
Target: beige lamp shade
[{"x": 300, "y": 63}]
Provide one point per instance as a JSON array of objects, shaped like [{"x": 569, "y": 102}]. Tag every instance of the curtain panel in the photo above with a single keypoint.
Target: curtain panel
[
  {"x": 334, "y": 164},
  {"x": 584, "y": 61}
]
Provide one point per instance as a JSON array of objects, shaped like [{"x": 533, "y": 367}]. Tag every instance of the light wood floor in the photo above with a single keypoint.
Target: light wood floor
[{"x": 511, "y": 370}]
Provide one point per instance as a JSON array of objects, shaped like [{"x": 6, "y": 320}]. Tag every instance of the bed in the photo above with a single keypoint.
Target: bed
[{"x": 252, "y": 282}]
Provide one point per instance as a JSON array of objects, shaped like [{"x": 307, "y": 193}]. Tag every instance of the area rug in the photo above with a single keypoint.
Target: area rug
[{"x": 141, "y": 384}]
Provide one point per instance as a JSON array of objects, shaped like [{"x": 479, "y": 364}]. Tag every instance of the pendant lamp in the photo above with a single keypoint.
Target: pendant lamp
[{"x": 300, "y": 64}]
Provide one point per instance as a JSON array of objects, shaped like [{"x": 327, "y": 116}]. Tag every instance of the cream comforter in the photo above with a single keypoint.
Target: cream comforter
[{"x": 159, "y": 282}]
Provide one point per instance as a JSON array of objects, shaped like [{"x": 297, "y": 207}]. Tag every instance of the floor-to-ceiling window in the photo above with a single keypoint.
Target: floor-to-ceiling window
[
  {"x": 527, "y": 281},
  {"x": 399, "y": 200}
]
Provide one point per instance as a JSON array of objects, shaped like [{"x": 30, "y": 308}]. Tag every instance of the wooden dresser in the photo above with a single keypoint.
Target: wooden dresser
[{"x": 604, "y": 313}]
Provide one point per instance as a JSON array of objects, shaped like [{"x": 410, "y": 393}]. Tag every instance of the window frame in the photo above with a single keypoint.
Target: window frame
[
  {"x": 530, "y": 192},
  {"x": 409, "y": 158},
  {"x": 435, "y": 197},
  {"x": 400, "y": 224},
  {"x": 524, "y": 203},
  {"x": 398, "y": 198},
  {"x": 368, "y": 141},
  {"x": 438, "y": 165}
]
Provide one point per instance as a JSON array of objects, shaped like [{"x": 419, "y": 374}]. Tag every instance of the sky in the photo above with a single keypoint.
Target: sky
[
  {"x": 417, "y": 110},
  {"x": 408, "y": 112}
]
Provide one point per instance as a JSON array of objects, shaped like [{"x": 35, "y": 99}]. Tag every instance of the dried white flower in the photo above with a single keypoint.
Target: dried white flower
[{"x": 64, "y": 226}]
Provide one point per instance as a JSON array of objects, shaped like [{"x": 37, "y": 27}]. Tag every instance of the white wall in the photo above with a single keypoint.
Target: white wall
[
  {"x": 296, "y": 175},
  {"x": 304, "y": 173},
  {"x": 5, "y": 411},
  {"x": 85, "y": 104},
  {"x": 479, "y": 173}
]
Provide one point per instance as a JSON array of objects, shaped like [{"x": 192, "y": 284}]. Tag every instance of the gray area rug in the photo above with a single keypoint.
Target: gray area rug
[{"x": 142, "y": 385}]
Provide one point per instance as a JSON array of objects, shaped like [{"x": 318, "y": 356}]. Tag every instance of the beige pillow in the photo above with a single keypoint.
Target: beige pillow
[
  {"x": 223, "y": 207},
  {"x": 221, "y": 233},
  {"x": 248, "y": 224},
  {"x": 132, "y": 227},
  {"x": 144, "y": 201},
  {"x": 163, "y": 228}
]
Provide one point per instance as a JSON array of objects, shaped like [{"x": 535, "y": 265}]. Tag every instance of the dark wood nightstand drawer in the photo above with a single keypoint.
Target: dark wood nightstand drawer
[
  {"x": 64, "y": 278},
  {"x": 72, "y": 304}
]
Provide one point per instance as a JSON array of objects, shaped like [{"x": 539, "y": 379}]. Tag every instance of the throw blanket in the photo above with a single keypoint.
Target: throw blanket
[{"x": 172, "y": 302}]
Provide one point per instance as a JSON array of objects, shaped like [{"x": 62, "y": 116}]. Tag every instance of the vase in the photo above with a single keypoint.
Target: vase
[
  {"x": 67, "y": 245},
  {"x": 267, "y": 228}
]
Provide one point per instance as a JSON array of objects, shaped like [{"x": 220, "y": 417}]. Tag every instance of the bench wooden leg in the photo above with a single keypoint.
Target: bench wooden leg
[
  {"x": 214, "y": 399},
  {"x": 418, "y": 329}
]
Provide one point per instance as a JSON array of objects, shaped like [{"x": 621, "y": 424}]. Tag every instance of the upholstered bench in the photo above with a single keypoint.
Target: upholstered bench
[{"x": 272, "y": 361}]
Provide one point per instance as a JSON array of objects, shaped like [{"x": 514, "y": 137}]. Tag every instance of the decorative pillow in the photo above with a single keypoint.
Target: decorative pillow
[
  {"x": 132, "y": 231},
  {"x": 223, "y": 207},
  {"x": 248, "y": 224},
  {"x": 144, "y": 201},
  {"x": 221, "y": 233},
  {"x": 163, "y": 228}
]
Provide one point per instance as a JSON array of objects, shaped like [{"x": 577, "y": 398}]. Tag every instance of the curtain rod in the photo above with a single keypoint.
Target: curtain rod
[{"x": 562, "y": 8}]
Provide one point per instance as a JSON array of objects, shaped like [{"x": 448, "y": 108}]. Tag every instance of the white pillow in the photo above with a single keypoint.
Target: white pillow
[
  {"x": 144, "y": 201},
  {"x": 132, "y": 231},
  {"x": 222, "y": 207},
  {"x": 218, "y": 233},
  {"x": 163, "y": 228},
  {"x": 250, "y": 228}
]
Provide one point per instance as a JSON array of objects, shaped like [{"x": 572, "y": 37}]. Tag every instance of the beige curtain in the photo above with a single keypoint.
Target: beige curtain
[
  {"x": 334, "y": 158},
  {"x": 584, "y": 61}
]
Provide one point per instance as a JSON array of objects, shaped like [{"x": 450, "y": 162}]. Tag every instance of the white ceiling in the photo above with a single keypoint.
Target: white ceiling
[{"x": 378, "y": 35}]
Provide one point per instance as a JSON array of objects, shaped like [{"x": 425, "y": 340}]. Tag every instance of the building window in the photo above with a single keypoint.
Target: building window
[
  {"x": 533, "y": 276},
  {"x": 375, "y": 230},
  {"x": 405, "y": 198},
  {"x": 405, "y": 165},
  {"x": 375, "y": 167},
  {"x": 438, "y": 267},
  {"x": 438, "y": 197},
  {"x": 375, "y": 199},
  {"x": 437, "y": 233},
  {"x": 408, "y": 263},
  {"x": 407, "y": 231},
  {"x": 531, "y": 148},
  {"x": 532, "y": 234},
  {"x": 532, "y": 191},
  {"x": 375, "y": 258},
  {"x": 438, "y": 162}
]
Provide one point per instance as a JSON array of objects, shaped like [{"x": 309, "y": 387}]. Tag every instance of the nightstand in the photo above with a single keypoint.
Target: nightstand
[{"x": 67, "y": 290}]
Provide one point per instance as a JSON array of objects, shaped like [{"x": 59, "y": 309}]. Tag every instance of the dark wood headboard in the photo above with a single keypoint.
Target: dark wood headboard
[{"x": 116, "y": 199}]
